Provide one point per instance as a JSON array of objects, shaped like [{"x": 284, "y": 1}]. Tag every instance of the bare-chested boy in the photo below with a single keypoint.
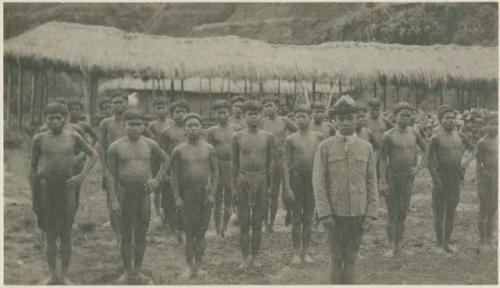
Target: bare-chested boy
[
  {"x": 253, "y": 151},
  {"x": 300, "y": 149},
  {"x": 377, "y": 123},
  {"x": 170, "y": 138},
  {"x": 105, "y": 109},
  {"x": 487, "y": 175},
  {"x": 156, "y": 127},
  {"x": 194, "y": 176},
  {"x": 110, "y": 130},
  {"x": 76, "y": 114},
  {"x": 363, "y": 132},
  {"x": 444, "y": 154},
  {"x": 319, "y": 122},
  {"x": 279, "y": 126},
  {"x": 237, "y": 117},
  {"x": 54, "y": 183},
  {"x": 220, "y": 137},
  {"x": 129, "y": 160},
  {"x": 398, "y": 167}
]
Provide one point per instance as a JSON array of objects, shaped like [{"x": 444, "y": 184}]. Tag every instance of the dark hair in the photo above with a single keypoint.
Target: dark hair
[
  {"x": 238, "y": 98},
  {"x": 179, "y": 103},
  {"x": 269, "y": 99},
  {"x": 302, "y": 108},
  {"x": 252, "y": 105},
  {"x": 104, "y": 101},
  {"x": 221, "y": 104},
  {"x": 374, "y": 103},
  {"x": 160, "y": 101},
  {"x": 56, "y": 107},
  {"x": 445, "y": 108},
  {"x": 362, "y": 107},
  {"x": 74, "y": 102},
  {"x": 318, "y": 105},
  {"x": 133, "y": 115},
  {"x": 192, "y": 115},
  {"x": 401, "y": 106}
]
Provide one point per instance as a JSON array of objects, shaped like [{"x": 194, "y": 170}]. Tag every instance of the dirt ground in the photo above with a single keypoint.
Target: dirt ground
[{"x": 95, "y": 261}]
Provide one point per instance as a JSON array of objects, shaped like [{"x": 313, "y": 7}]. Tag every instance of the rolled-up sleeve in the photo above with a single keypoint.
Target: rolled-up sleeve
[
  {"x": 323, "y": 206},
  {"x": 371, "y": 187}
]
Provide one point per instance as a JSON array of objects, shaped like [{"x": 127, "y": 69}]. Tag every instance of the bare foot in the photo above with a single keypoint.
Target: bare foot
[
  {"x": 296, "y": 260},
  {"x": 439, "y": 250},
  {"x": 308, "y": 259},
  {"x": 361, "y": 256},
  {"x": 141, "y": 279},
  {"x": 123, "y": 279},
  {"x": 180, "y": 237},
  {"x": 254, "y": 263},
  {"x": 244, "y": 265},
  {"x": 188, "y": 273},
  {"x": 51, "y": 280},
  {"x": 389, "y": 253},
  {"x": 201, "y": 272},
  {"x": 65, "y": 281},
  {"x": 450, "y": 249}
]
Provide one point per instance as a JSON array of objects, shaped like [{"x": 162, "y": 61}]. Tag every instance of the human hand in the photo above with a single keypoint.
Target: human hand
[
  {"x": 327, "y": 222},
  {"x": 289, "y": 197},
  {"x": 179, "y": 205},
  {"x": 413, "y": 172},
  {"x": 384, "y": 190},
  {"x": 75, "y": 180},
  {"x": 367, "y": 225},
  {"x": 115, "y": 208},
  {"x": 210, "y": 201},
  {"x": 152, "y": 185}
]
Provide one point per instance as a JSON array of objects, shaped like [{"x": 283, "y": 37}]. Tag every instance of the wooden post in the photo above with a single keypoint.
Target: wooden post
[
  {"x": 54, "y": 92},
  {"x": 384, "y": 91},
  {"x": 20, "y": 97},
  {"x": 153, "y": 92},
  {"x": 7, "y": 97},
  {"x": 172, "y": 93},
  {"x": 340, "y": 88},
  {"x": 416, "y": 95},
  {"x": 32, "y": 98},
  {"x": 245, "y": 91},
  {"x": 457, "y": 90},
  {"x": 397, "y": 91},
  {"x": 314, "y": 90},
  {"x": 261, "y": 87},
  {"x": 163, "y": 88},
  {"x": 440, "y": 95},
  {"x": 279, "y": 86},
  {"x": 374, "y": 89},
  {"x": 92, "y": 82},
  {"x": 182, "y": 88},
  {"x": 210, "y": 96}
]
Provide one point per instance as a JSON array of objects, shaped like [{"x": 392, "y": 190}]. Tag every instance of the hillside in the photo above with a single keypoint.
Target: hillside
[{"x": 286, "y": 23}]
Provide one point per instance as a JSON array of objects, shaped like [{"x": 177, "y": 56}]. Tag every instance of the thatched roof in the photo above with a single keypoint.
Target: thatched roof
[
  {"x": 116, "y": 53},
  {"x": 215, "y": 85}
]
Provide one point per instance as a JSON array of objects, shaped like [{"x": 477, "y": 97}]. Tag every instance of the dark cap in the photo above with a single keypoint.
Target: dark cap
[
  {"x": 345, "y": 105},
  {"x": 374, "y": 103},
  {"x": 443, "y": 109},
  {"x": 402, "y": 105}
]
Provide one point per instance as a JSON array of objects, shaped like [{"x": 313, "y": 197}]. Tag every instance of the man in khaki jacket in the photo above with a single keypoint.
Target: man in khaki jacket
[{"x": 345, "y": 188}]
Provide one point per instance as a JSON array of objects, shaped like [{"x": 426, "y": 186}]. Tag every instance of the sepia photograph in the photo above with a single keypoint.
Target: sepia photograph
[{"x": 271, "y": 143}]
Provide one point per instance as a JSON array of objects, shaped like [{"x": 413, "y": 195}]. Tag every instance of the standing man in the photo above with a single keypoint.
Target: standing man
[
  {"x": 105, "y": 109},
  {"x": 363, "y": 132},
  {"x": 237, "y": 117},
  {"x": 300, "y": 149},
  {"x": 251, "y": 173},
  {"x": 345, "y": 188},
  {"x": 76, "y": 114},
  {"x": 170, "y": 138},
  {"x": 398, "y": 164},
  {"x": 377, "y": 123},
  {"x": 220, "y": 137},
  {"x": 487, "y": 175},
  {"x": 318, "y": 123},
  {"x": 112, "y": 129},
  {"x": 280, "y": 127},
  {"x": 131, "y": 182},
  {"x": 445, "y": 154},
  {"x": 54, "y": 184},
  {"x": 156, "y": 127},
  {"x": 194, "y": 176}
]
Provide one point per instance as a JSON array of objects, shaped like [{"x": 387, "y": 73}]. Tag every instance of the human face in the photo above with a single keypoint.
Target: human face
[
  {"x": 448, "y": 121},
  {"x": 118, "y": 105},
  {"x": 270, "y": 108},
  {"x": 55, "y": 122},
  {"x": 346, "y": 123},
  {"x": 237, "y": 111},
  {"x": 403, "y": 118},
  {"x": 222, "y": 115},
  {"x": 75, "y": 112},
  {"x": 492, "y": 127},
  {"x": 134, "y": 128},
  {"x": 178, "y": 115},
  {"x": 161, "y": 110},
  {"x": 302, "y": 120},
  {"x": 362, "y": 121},
  {"x": 374, "y": 112},
  {"x": 193, "y": 128},
  {"x": 253, "y": 118},
  {"x": 106, "y": 109},
  {"x": 318, "y": 115}
]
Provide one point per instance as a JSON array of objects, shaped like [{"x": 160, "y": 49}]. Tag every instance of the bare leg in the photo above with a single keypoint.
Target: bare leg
[
  {"x": 244, "y": 223},
  {"x": 52, "y": 257},
  {"x": 296, "y": 235},
  {"x": 306, "y": 235},
  {"x": 65, "y": 255},
  {"x": 218, "y": 207},
  {"x": 335, "y": 264},
  {"x": 453, "y": 199},
  {"x": 140, "y": 239},
  {"x": 438, "y": 207},
  {"x": 227, "y": 208},
  {"x": 189, "y": 250}
]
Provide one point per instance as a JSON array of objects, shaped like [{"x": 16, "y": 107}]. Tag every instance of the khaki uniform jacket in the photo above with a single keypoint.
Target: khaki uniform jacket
[{"x": 344, "y": 178}]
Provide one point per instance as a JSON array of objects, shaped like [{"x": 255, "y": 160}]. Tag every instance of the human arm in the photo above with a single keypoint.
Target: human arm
[
  {"x": 87, "y": 129},
  {"x": 423, "y": 146},
  {"x": 33, "y": 174},
  {"x": 85, "y": 147},
  {"x": 270, "y": 158},
  {"x": 383, "y": 158},
  {"x": 332, "y": 129},
  {"x": 371, "y": 187},
  {"x": 112, "y": 170},
  {"x": 174, "y": 180},
  {"x": 154, "y": 184},
  {"x": 290, "y": 126},
  {"x": 213, "y": 178},
  {"x": 319, "y": 181},
  {"x": 373, "y": 141},
  {"x": 286, "y": 170},
  {"x": 432, "y": 161},
  {"x": 235, "y": 163}
]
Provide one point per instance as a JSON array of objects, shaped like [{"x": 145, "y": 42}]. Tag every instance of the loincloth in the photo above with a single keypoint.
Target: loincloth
[
  {"x": 135, "y": 204},
  {"x": 251, "y": 186},
  {"x": 56, "y": 205},
  {"x": 225, "y": 173}
]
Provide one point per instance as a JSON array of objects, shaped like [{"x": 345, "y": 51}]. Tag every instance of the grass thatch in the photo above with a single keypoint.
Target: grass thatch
[
  {"x": 115, "y": 52},
  {"x": 215, "y": 85}
]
